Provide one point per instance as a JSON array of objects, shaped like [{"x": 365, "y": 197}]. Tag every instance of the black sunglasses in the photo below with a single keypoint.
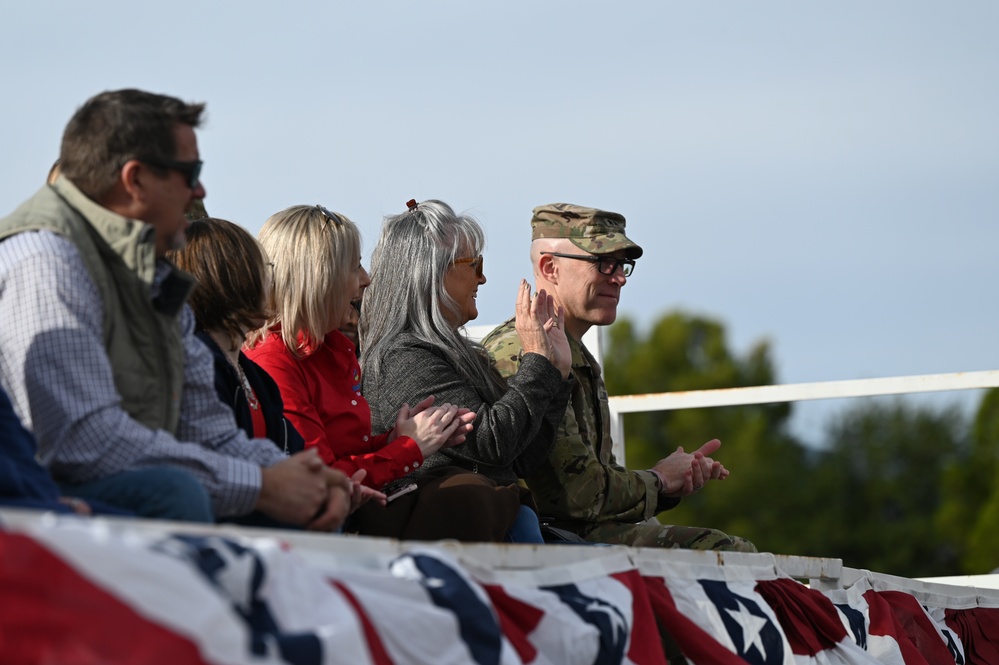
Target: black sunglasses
[
  {"x": 607, "y": 265},
  {"x": 190, "y": 170}
]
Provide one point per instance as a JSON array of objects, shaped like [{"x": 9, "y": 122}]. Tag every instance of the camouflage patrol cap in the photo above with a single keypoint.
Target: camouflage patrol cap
[{"x": 591, "y": 230}]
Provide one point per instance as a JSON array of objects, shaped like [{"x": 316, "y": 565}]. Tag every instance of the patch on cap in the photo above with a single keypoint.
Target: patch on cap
[{"x": 594, "y": 231}]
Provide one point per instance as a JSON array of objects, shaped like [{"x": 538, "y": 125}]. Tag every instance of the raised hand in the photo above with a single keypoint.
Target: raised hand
[{"x": 539, "y": 325}]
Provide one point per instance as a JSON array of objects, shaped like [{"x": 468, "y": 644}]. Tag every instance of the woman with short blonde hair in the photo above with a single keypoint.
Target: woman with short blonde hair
[
  {"x": 330, "y": 245},
  {"x": 317, "y": 272}
]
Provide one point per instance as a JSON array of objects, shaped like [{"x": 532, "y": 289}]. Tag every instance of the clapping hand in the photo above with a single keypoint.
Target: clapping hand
[
  {"x": 685, "y": 473},
  {"x": 434, "y": 427},
  {"x": 539, "y": 324}
]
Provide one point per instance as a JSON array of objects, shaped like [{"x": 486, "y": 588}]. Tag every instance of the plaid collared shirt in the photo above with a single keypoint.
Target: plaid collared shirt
[{"x": 57, "y": 373}]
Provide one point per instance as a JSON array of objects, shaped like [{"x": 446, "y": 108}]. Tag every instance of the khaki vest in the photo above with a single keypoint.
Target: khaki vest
[{"x": 141, "y": 336}]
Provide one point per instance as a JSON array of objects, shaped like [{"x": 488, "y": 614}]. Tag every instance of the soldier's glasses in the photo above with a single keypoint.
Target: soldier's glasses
[
  {"x": 190, "y": 170},
  {"x": 607, "y": 265},
  {"x": 474, "y": 261}
]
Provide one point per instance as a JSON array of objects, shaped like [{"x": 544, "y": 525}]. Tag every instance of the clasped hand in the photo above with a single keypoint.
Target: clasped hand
[
  {"x": 303, "y": 491},
  {"x": 684, "y": 473},
  {"x": 540, "y": 326}
]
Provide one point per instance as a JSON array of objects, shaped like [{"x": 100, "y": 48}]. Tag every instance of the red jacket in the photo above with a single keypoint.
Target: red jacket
[{"x": 322, "y": 399}]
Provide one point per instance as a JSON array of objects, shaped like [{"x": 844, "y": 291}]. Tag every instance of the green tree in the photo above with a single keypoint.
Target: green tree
[
  {"x": 760, "y": 500},
  {"x": 882, "y": 476},
  {"x": 895, "y": 488},
  {"x": 969, "y": 513}
]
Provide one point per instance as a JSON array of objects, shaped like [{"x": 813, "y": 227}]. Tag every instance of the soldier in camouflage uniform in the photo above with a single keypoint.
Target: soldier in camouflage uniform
[{"x": 582, "y": 256}]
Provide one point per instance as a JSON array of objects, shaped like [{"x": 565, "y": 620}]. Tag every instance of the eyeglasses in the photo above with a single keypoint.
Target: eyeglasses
[
  {"x": 330, "y": 216},
  {"x": 607, "y": 265},
  {"x": 474, "y": 261},
  {"x": 190, "y": 170}
]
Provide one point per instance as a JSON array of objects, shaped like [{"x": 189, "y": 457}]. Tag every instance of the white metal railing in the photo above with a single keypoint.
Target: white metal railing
[{"x": 791, "y": 392}]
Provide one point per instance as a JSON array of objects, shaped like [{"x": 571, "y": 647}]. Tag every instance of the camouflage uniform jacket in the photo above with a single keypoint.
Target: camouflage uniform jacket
[{"x": 581, "y": 486}]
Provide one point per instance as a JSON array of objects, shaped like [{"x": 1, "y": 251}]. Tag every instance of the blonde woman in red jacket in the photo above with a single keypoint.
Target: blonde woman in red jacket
[{"x": 316, "y": 256}]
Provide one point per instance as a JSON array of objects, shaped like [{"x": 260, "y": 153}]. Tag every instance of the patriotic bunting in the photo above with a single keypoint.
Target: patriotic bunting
[{"x": 82, "y": 592}]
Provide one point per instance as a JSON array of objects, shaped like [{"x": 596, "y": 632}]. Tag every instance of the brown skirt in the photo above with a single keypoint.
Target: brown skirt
[{"x": 450, "y": 502}]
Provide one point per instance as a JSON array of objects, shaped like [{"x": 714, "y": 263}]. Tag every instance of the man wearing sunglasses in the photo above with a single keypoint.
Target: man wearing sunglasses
[
  {"x": 97, "y": 342},
  {"x": 583, "y": 258}
]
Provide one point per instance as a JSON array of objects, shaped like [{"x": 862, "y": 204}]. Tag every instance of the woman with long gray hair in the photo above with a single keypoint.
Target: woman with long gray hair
[{"x": 426, "y": 271}]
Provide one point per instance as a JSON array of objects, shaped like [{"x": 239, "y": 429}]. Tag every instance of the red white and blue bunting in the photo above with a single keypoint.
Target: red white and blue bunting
[{"x": 80, "y": 592}]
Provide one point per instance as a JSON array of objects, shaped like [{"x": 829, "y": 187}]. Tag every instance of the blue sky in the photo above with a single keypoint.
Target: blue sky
[{"x": 822, "y": 175}]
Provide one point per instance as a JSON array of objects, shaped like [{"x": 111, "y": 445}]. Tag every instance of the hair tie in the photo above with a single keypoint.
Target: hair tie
[{"x": 411, "y": 204}]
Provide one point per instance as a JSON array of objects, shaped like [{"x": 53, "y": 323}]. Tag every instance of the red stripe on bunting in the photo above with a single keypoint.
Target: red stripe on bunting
[
  {"x": 978, "y": 629},
  {"x": 646, "y": 646},
  {"x": 808, "y": 618},
  {"x": 918, "y": 627},
  {"x": 885, "y": 623},
  {"x": 49, "y": 613},
  {"x": 517, "y": 620},
  {"x": 378, "y": 652},
  {"x": 697, "y": 644}
]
